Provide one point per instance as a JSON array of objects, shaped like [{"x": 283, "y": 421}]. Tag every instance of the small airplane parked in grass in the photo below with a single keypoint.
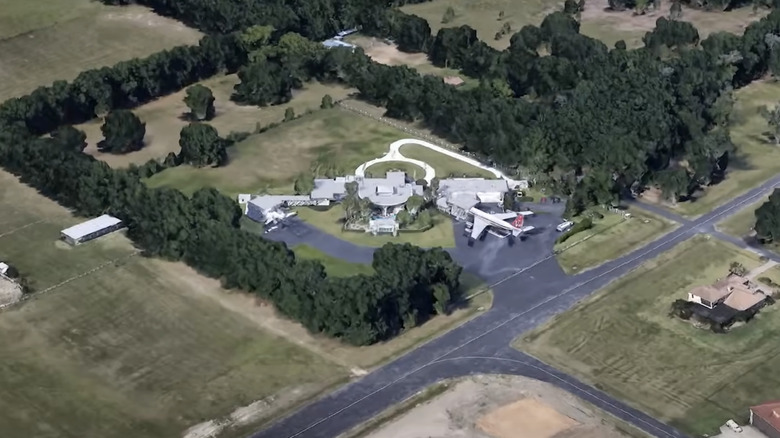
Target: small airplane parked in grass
[{"x": 483, "y": 220}]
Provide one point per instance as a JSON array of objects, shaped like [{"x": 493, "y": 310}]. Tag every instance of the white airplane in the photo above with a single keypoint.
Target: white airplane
[
  {"x": 275, "y": 216},
  {"x": 483, "y": 220}
]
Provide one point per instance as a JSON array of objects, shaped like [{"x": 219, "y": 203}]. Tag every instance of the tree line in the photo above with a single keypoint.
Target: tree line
[{"x": 410, "y": 283}]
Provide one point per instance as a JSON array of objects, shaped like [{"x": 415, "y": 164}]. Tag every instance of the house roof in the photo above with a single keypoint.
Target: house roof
[
  {"x": 769, "y": 412},
  {"x": 388, "y": 191},
  {"x": 472, "y": 185},
  {"x": 85, "y": 228},
  {"x": 710, "y": 293},
  {"x": 269, "y": 202},
  {"x": 743, "y": 299},
  {"x": 329, "y": 188}
]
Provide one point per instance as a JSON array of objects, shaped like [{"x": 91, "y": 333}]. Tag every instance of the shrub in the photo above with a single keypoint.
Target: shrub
[
  {"x": 579, "y": 227},
  {"x": 525, "y": 199},
  {"x": 681, "y": 309}
]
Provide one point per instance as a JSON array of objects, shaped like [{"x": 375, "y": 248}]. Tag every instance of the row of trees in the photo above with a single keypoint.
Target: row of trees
[{"x": 410, "y": 283}]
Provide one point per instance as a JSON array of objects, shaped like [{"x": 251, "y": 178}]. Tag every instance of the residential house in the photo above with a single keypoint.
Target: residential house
[
  {"x": 766, "y": 418},
  {"x": 734, "y": 291}
]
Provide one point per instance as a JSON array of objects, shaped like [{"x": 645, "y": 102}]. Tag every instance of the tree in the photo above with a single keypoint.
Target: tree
[
  {"x": 200, "y": 101},
  {"x": 441, "y": 296},
  {"x": 737, "y": 268},
  {"x": 768, "y": 219},
  {"x": 201, "y": 146},
  {"x": 772, "y": 117},
  {"x": 570, "y": 7},
  {"x": 289, "y": 114},
  {"x": 304, "y": 184},
  {"x": 448, "y": 16},
  {"x": 500, "y": 15},
  {"x": 403, "y": 218},
  {"x": 414, "y": 204},
  {"x": 327, "y": 102},
  {"x": 509, "y": 200},
  {"x": 70, "y": 138},
  {"x": 675, "y": 11},
  {"x": 123, "y": 132}
]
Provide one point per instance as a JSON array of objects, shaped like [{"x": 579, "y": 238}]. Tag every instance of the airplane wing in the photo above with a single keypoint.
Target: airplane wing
[
  {"x": 505, "y": 216},
  {"x": 479, "y": 227}
]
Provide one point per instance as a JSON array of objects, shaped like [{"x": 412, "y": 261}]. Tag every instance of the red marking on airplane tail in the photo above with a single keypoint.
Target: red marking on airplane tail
[{"x": 518, "y": 222}]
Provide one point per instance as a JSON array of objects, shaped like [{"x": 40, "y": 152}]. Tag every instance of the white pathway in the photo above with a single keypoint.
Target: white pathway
[{"x": 394, "y": 154}]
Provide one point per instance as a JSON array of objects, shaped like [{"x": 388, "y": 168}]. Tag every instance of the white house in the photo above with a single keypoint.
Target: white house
[{"x": 91, "y": 229}]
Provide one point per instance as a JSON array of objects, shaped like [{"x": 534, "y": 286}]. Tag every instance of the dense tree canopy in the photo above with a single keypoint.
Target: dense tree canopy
[
  {"x": 200, "y": 101},
  {"x": 768, "y": 219},
  {"x": 123, "y": 132},
  {"x": 201, "y": 146}
]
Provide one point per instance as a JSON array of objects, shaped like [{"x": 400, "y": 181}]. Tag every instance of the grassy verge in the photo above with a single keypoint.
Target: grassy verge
[
  {"x": 165, "y": 117},
  {"x": 622, "y": 341},
  {"x": 741, "y": 223},
  {"x": 444, "y": 165},
  {"x": 379, "y": 170},
  {"x": 756, "y": 159},
  {"x": 332, "y": 138},
  {"x": 41, "y": 42},
  {"x": 609, "y": 238},
  {"x": 333, "y": 266},
  {"x": 330, "y": 221}
]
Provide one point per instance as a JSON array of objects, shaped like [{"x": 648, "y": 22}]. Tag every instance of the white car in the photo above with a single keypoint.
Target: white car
[{"x": 564, "y": 226}]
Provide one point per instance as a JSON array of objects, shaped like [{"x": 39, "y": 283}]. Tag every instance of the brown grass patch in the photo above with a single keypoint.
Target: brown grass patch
[{"x": 526, "y": 418}]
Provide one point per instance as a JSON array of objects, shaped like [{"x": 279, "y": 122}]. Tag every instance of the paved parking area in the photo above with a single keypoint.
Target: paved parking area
[{"x": 747, "y": 432}]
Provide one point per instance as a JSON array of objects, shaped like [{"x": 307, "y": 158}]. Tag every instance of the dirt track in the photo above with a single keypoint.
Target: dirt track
[{"x": 501, "y": 407}]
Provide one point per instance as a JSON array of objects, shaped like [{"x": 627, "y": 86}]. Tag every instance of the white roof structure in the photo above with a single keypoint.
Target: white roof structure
[
  {"x": 270, "y": 202},
  {"x": 3, "y": 268},
  {"x": 466, "y": 193},
  {"x": 86, "y": 228},
  {"x": 389, "y": 191}
]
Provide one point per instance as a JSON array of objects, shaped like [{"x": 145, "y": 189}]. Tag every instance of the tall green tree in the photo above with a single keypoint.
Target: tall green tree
[
  {"x": 200, "y": 101},
  {"x": 304, "y": 184},
  {"x": 70, "y": 138},
  {"x": 201, "y": 146},
  {"x": 123, "y": 132},
  {"x": 768, "y": 219}
]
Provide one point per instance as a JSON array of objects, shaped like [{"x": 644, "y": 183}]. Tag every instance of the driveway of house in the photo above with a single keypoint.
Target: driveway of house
[{"x": 747, "y": 432}]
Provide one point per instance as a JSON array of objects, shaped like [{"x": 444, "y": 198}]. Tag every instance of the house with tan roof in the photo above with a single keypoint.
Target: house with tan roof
[
  {"x": 766, "y": 418},
  {"x": 734, "y": 291}
]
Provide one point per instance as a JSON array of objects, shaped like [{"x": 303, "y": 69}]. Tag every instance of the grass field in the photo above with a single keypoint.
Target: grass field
[
  {"x": 622, "y": 341},
  {"x": 41, "y": 42},
  {"x": 741, "y": 223},
  {"x": 610, "y": 237},
  {"x": 138, "y": 347},
  {"x": 163, "y": 118},
  {"x": 482, "y": 15},
  {"x": 756, "y": 159},
  {"x": 333, "y": 266},
  {"x": 379, "y": 170},
  {"x": 329, "y": 221},
  {"x": 271, "y": 160},
  {"x": 444, "y": 165}
]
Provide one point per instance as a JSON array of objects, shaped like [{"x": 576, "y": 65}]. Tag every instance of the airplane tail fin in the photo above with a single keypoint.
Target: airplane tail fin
[{"x": 518, "y": 222}]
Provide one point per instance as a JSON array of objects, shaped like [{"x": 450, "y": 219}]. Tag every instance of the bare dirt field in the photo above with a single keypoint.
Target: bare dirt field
[
  {"x": 608, "y": 26},
  {"x": 596, "y": 22},
  {"x": 38, "y": 47},
  {"x": 503, "y": 407},
  {"x": 388, "y": 54},
  {"x": 166, "y": 116}
]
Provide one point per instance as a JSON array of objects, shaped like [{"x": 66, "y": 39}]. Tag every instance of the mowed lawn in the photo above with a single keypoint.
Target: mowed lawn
[
  {"x": 741, "y": 223},
  {"x": 482, "y": 15},
  {"x": 139, "y": 347},
  {"x": 622, "y": 341},
  {"x": 330, "y": 139},
  {"x": 165, "y": 117},
  {"x": 41, "y": 42},
  {"x": 445, "y": 166},
  {"x": 331, "y": 222},
  {"x": 757, "y": 158},
  {"x": 335, "y": 267},
  {"x": 610, "y": 237}
]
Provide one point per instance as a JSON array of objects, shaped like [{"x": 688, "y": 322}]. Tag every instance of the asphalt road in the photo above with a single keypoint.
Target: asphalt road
[{"x": 529, "y": 288}]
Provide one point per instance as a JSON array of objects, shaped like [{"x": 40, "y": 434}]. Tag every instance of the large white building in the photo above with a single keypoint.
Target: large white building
[
  {"x": 91, "y": 229},
  {"x": 456, "y": 196}
]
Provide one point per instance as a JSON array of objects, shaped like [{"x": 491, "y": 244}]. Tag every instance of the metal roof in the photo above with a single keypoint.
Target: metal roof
[
  {"x": 473, "y": 185},
  {"x": 330, "y": 188},
  {"x": 389, "y": 191},
  {"x": 93, "y": 225},
  {"x": 269, "y": 202}
]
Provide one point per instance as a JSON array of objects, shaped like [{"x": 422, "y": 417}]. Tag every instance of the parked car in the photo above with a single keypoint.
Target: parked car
[{"x": 565, "y": 226}]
